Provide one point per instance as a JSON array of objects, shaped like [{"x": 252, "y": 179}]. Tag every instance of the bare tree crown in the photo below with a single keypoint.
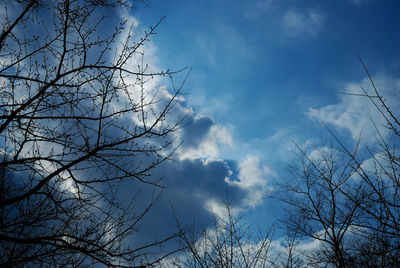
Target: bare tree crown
[{"x": 76, "y": 118}]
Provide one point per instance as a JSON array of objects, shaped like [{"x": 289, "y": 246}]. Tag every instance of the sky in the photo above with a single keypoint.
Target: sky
[{"x": 265, "y": 75}]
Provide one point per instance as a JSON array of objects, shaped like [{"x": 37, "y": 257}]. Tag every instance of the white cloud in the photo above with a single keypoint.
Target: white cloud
[
  {"x": 252, "y": 175},
  {"x": 323, "y": 153},
  {"x": 209, "y": 147},
  {"x": 253, "y": 178},
  {"x": 356, "y": 113},
  {"x": 297, "y": 23},
  {"x": 218, "y": 209}
]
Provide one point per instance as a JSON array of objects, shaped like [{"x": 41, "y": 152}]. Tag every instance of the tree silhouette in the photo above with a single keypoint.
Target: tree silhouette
[
  {"x": 227, "y": 243},
  {"x": 348, "y": 200},
  {"x": 76, "y": 121}
]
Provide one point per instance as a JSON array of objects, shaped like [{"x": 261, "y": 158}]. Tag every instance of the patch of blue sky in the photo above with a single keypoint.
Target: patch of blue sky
[
  {"x": 269, "y": 71},
  {"x": 255, "y": 65}
]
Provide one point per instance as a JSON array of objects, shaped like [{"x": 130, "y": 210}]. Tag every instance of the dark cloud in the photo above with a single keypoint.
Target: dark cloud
[
  {"x": 189, "y": 185},
  {"x": 196, "y": 130}
]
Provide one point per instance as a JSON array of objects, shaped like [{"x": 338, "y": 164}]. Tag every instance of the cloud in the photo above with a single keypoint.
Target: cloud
[
  {"x": 194, "y": 189},
  {"x": 296, "y": 23},
  {"x": 323, "y": 154},
  {"x": 198, "y": 179},
  {"x": 203, "y": 139},
  {"x": 253, "y": 178},
  {"x": 217, "y": 208},
  {"x": 196, "y": 130},
  {"x": 356, "y": 113},
  {"x": 377, "y": 165}
]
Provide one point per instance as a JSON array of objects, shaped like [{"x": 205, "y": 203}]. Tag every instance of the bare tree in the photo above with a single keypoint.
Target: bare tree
[
  {"x": 318, "y": 209},
  {"x": 76, "y": 121},
  {"x": 290, "y": 256},
  {"x": 228, "y": 243},
  {"x": 380, "y": 180},
  {"x": 347, "y": 199}
]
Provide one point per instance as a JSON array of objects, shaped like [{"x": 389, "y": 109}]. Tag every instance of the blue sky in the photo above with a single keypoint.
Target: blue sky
[
  {"x": 264, "y": 76},
  {"x": 259, "y": 65},
  {"x": 265, "y": 73}
]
